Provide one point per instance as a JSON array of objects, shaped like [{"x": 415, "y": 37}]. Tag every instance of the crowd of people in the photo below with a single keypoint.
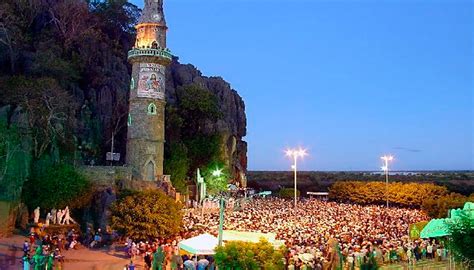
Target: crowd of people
[
  {"x": 43, "y": 251},
  {"x": 164, "y": 254},
  {"x": 362, "y": 232}
]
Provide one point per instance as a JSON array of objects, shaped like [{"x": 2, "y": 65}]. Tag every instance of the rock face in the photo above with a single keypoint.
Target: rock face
[{"x": 233, "y": 124}]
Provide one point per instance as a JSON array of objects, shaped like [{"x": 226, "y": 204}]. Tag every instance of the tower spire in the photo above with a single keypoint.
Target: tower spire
[
  {"x": 153, "y": 13},
  {"x": 146, "y": 126}
]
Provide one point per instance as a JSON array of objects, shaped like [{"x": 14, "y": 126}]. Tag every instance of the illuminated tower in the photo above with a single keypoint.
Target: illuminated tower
[{"x": 146, "y": 119}]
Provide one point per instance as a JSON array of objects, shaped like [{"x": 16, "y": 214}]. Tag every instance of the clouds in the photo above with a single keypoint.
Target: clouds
[{"x": 407, "y": 149}]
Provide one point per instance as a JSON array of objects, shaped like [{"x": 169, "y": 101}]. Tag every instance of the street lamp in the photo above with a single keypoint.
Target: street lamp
[
  {"x": 386, "y": 159},
  {"x": 217, "y": 173},
  {"x": 295, "y": 153}
]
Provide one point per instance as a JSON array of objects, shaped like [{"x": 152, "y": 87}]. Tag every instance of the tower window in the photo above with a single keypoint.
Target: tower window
[
  {"x": 132, "y": 84},
  {"x": 154, "y": 45},
  {"x": 152, "y": 109}
]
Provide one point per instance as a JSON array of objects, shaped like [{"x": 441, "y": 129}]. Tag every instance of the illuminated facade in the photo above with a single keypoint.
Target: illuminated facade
[{"x": 146, "y": 120}]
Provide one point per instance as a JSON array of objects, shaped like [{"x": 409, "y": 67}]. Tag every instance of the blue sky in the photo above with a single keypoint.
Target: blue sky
[{"x": 348, "y": 80}]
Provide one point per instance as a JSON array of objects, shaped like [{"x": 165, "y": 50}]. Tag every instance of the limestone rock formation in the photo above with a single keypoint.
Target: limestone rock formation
[{"x": 233, "y": 124}]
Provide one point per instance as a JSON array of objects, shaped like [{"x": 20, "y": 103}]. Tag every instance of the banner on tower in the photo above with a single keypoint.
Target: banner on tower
[{"x": 151, "y": 83}]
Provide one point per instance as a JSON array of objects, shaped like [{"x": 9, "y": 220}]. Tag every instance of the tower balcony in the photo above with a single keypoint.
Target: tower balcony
[{"x": 164, "y": 54}]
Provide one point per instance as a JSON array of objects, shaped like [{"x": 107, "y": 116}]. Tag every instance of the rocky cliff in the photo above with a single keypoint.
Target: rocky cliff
[{"x": 233, "y": 123}]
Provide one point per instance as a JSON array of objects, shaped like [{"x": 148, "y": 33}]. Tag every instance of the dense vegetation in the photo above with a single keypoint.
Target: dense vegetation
[
  {"x": 14, "y": 162},
  {"x": 145, "y": 215},
  {"x": 246, "y": 255},
  {"x": 434, "y": 199},
  {"x": 189, "y": 146},
  {"x": 63, "y": 83},
  {"x": 461, "y": 240},
  {"x": 288, "y": 193},
  {"x": 64, "y": 78},
  {"x": 460, "y": 182},
  {"x": 56, "y": 185}
]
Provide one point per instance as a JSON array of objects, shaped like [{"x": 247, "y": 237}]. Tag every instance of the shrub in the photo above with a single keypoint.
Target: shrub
[
  {"x": 177, "y": 165},
  {"x": 460, "y": 241},
  {"x": 439, "y": 207},
  {"x": 288, "y": 193},
  {"x": 245, "y": 255},
  {"x": 56, "y": 186},
  {"x": 147, "y": 214},
  {"x": 216, "y": 184}
]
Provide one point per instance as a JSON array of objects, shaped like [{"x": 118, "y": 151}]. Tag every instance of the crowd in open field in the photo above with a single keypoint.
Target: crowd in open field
[
  {"x": 361, "y": 231},
  {"x": 317, "y": 234}
]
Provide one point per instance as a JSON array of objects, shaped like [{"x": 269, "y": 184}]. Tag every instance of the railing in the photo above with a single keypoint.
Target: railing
[{"x": 165, "y": 53}]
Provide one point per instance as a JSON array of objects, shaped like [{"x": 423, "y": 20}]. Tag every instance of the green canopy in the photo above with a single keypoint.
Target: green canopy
[
  {"x": 435, "y": 228},
  {"x": 439, "y": 227},
  {"x": 468, "y": 210},
  {"x": 469, "y": 206}
]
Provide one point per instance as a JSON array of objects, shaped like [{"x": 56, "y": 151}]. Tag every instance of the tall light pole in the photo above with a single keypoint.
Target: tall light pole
[
  {"x": 218, "y": 173},
  {"x": 295, "y": 153},
  {"x": 386, "y": 159}
]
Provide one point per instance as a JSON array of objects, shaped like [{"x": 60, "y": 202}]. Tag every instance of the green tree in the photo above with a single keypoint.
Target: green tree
[
  {"x": 439, "y": 207},
  {"x": 14, "y": 162},
  {"x": 216, "y": 183},
  {"x": 203, "y": 151},
  {"x": 196, "y": 105},
  {"x": 288, "y": 193},
  {"x": 56, "y": 186},
  {"x": 177, "y": 165},
  {"x": 402, "y": 194},
  {"x": 461, "y": 240},
  {"x": 246, "y": 255},
  {"x": 49, "y": 109},
  {"x": 147, "y": 214}
]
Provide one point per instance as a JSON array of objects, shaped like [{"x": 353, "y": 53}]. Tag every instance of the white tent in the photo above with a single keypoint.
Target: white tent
[{"x": 203, "y": 244}]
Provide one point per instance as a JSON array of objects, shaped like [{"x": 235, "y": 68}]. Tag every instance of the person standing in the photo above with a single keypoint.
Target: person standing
[
  {"x": 26, "y": 248},
  {"x": 26, "y": 262},
  {"x": 176, "y": 260},
  {"x": 429, "y": 251},
  {"x": 32, "y": 239},
  {"x": 131, "y": 266},
  {"x": 148, "y": 259},
  {"x": 158, "y": 259}
]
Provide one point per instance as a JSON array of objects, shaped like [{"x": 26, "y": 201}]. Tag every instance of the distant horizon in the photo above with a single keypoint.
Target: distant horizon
[
  {"x": 424, "y": 171},
  {"x": 349, "y": 80}
]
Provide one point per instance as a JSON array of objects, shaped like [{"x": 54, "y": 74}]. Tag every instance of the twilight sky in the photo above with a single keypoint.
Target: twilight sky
[{"x": 348, "y": 80}]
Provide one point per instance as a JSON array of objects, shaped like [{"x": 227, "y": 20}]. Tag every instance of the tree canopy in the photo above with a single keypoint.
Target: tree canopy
[
  {"x": 56, "y": 185},
  {"x": 434, "y": 199},
  {"x": 246, "y": 255},
  {"x": 461, "y": 240},
  {"x": 14, "y": 162},
  {"x": 190, "y": 146},
  {"x": 147, "y": 214}
]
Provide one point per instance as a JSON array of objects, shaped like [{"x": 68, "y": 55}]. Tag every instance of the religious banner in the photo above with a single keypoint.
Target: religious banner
[
  {"x": 151, "y": 82},
  {"x": 414, "y": 230}
]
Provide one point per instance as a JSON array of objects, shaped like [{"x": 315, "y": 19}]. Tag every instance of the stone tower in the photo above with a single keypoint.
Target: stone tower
[{"x": 146, "y": 119}]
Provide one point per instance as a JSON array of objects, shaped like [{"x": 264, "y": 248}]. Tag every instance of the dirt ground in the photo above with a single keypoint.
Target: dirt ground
[
  {"x": 109, "y": 259},
  {"x": 81, "y": 259}
]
